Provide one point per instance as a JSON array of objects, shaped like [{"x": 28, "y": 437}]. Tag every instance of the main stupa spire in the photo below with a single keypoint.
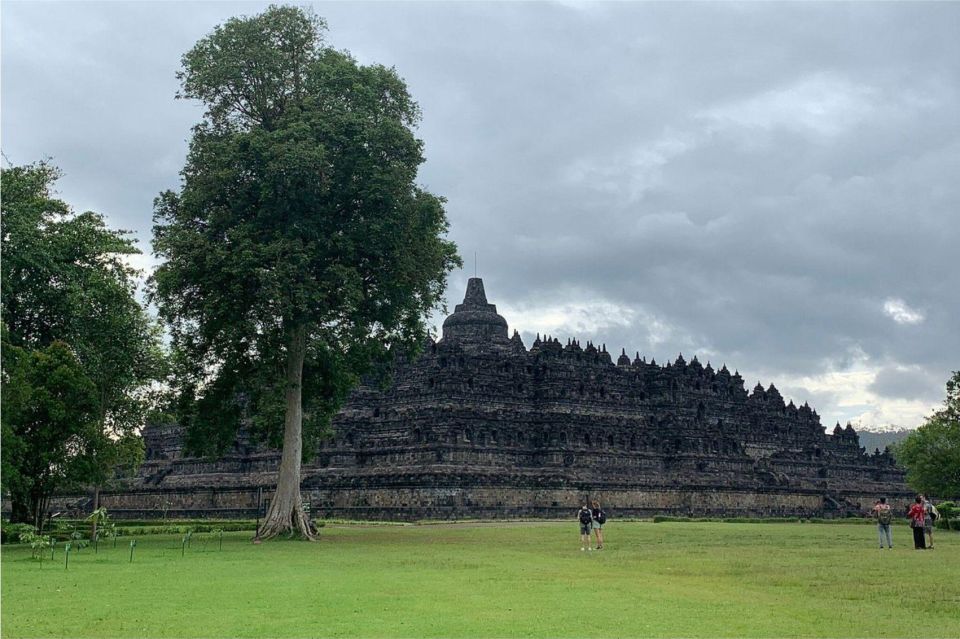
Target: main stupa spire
[
  {"x": 475, "y": 319},
  {"x": 475, "y": 296}
]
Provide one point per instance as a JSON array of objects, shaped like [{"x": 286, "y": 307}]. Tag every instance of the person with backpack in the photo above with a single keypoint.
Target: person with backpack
[
  {"x": 930, "y": 515},
  {"x": 599, "y": 519},
  {"x": 884, "y": 516},
  {"x": 586, "y": 520},
  {"x": 916, "y": 515}
]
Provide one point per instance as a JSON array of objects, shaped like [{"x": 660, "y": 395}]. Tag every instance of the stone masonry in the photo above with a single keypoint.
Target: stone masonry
[{"x": 481, "y": 426}]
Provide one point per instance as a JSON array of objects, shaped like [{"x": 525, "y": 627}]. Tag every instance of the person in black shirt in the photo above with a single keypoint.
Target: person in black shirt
[{"x": 585, "y": 516}]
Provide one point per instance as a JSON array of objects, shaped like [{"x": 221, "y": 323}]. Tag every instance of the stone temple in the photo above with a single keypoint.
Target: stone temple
[{"x": 481, "y": 426}]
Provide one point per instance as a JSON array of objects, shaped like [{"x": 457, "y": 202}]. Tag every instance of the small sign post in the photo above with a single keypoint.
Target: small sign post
[{"x": 256, "y": 535}]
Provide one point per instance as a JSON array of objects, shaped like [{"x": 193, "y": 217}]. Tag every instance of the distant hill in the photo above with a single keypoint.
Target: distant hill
[{"x": 872, "y": 440}]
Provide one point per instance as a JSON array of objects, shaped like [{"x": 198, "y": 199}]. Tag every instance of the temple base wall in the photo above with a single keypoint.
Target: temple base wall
[{"x": 480, "y": 502}]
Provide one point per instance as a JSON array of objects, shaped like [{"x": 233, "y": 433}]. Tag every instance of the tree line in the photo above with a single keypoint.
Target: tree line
[{"x": 297, "y": 255}]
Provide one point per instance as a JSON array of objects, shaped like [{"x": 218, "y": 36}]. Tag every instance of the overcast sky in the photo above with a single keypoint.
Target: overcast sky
[{"x": 771, "y": 186}]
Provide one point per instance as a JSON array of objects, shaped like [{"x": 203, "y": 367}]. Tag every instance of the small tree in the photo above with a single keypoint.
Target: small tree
[
  {"x": 49, "y": 425},
  {"x": 66, "y": 280},
  {"x": 299, "y": 251},
  {"x": 931, "y": 454},
  {"x": 99, "y": 519},
  {"x": 38, "y": 543}
]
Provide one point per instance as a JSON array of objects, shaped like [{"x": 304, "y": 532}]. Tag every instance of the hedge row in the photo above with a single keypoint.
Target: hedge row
[
  {"x": 942, "y": 524},
  {"x": 182, "y": 529},
  {"x": 125, "y": 523}
]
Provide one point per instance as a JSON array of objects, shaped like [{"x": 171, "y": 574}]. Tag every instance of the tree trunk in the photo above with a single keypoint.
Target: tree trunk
[
  {"x": 21, "y": 511},
  {"x": 44, "y": 507},
  {"x": 96, "y": 504},
  {"x": 36, "y": 504},
  {"x": 286, "y": 514}
]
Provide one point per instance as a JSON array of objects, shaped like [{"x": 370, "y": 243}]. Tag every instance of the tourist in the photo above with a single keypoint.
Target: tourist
[
  {"x": 599, "y": 519},
  {"x": 884, "y": 516},
  {"x": 930, "y": 515},
  {"x": 586, "y": 521},
  {"x": 916, "y": 515}
]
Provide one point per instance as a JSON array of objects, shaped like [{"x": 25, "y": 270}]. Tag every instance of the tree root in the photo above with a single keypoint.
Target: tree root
[{"x": 294, "y": 523}]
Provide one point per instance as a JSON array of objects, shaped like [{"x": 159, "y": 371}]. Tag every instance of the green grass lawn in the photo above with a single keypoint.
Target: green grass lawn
[{"x": 510, "y": 580}]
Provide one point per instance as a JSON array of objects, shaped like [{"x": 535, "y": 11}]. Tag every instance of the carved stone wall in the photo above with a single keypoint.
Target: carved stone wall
[{"x": 481, "y": 426}]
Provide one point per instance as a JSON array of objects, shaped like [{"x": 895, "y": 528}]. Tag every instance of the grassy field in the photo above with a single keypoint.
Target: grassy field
[{"x": 504, "y": 580}]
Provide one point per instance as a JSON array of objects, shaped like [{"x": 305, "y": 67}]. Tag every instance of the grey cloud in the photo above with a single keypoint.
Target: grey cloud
[
  {"x": 907, "y": 383},
  {"x": 758, "y": 178}
]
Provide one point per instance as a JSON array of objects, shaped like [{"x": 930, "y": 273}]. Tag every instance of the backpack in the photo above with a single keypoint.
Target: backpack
[
  {"x": 601, "y": 518},
  {"x": 585, "y": 517},
  {"x": 885, "y": 516}
]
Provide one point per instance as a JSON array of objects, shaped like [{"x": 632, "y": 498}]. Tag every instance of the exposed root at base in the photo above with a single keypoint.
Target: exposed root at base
[{"x": 294, "y": 525}]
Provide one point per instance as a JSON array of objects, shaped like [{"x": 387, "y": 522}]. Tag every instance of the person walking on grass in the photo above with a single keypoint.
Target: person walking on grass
[
  {"x": 884, "y": 516},
  {"x": 930, "y": 515},
  {"x": 599, "y": 519},
  {"x": 916, "y": 515},
  {"x": 586, "y": 520}
]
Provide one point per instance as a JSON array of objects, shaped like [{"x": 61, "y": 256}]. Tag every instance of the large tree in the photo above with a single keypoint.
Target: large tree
[
  {"x": 66, "y": 279},
  {"x": 931, "y": 454},
  {"x": 299, "y": 251}
]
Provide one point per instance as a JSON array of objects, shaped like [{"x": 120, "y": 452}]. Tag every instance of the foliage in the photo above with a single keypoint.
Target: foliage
[
  {"x": 37, "y": 543},
  {"x": 66, "y": 280},
  {"x": 101, "y": 524},
  {"x": 10, "y": 533},
  {"x": 160, "y": 522},
  {"x": 78, "y": 540},
  {"x": 299, "y": 253},
  {"x": 64, "y": 528},
  {"x": 949, "y": 515},
  {"x": 100, "y": 517},
  {"x": 657, "y": 519},
  {"x": 50, "y": 428},
  {"x": 931, "y": 454},
  {"x": 182, "y": 529},
  {"x": 531, "y": 580}
]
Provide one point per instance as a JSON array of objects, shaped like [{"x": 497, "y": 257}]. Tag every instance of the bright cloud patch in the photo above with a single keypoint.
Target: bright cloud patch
[
  {"x": 822, "y": 103},
  {"x": 853, "y": 389},
  {"x": 900, "y": 313},
  {"x": 634, "y": 172},
  {"x": 572, "y": 319}
]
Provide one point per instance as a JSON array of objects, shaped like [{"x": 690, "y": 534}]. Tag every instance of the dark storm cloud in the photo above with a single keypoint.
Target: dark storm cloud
[{"x": 770, "y": 186}]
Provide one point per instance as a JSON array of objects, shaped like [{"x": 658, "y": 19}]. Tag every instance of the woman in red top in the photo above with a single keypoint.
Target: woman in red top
[{"x": 916, "y": 515}]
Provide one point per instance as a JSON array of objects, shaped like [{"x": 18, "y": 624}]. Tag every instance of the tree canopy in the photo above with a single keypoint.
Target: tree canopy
[
  {"x": 931, "y": 454},
  {"x": 299, "y": 250},
  {"x": 50, "y": 430},
  {"x": 66, "y": 283}
]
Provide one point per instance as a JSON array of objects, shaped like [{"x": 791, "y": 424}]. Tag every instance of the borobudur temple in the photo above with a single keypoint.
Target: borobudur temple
[{"x": 480, "y": 426}]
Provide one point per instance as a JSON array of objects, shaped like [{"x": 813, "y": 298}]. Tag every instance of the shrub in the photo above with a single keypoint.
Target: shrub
[
  {"x": 949, "y": 516},
  {"x": 38, "y": 543},
  {"x": 10, "y": 533},
  {"x": 181, "y": 529}
]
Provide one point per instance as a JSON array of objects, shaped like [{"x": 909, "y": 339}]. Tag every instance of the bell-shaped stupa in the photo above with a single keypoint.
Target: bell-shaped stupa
[{"x": 475, "y": 320}]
